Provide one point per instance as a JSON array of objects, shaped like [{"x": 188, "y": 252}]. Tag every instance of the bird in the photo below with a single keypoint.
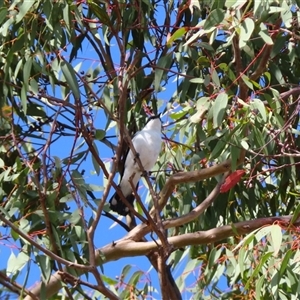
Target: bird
[{"x": 147, "y": 144}]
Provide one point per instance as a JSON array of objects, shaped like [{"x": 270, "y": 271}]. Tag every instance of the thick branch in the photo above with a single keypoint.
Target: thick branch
[
  {"x": 128, "y": 248},
  {"x": 170, "y": 287},
  {"x": 266, "y": 52},
  {"x": 125, "y": 248}
]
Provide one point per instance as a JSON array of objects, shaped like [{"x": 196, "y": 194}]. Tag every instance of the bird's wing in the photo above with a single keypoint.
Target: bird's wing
[
  {"x": 126, "y": 154},
  {"x": 131, "y": 166}
]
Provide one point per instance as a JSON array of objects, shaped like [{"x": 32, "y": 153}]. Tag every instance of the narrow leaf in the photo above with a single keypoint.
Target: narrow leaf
[
  {"x": 258, "y": 104},
  {"x": 177, "y": 35},
  {"x": 219, "y": 107},
  {"x": 247, "y": 28},
  {"x": 69, "y": 74},
  {"x": 214, "y": 18},
  {"x": 16, "y": 263},
  {"x": 24, "y": 98},
  {"x": 100, "y": 13},
  {"x": 276, "y": 235},
  {"x": 27, "y": 71},
  {"x": 163, "y": 65}
]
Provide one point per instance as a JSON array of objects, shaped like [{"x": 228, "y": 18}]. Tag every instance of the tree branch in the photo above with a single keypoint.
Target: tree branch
[
  {"x": 128, "y": 248},
  {"x": 170, "y": 287},
  {"x": 192, "y": 176}
]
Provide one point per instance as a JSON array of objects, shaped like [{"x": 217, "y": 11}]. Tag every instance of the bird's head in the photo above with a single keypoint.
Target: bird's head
[{"x": 154, "y": 123}]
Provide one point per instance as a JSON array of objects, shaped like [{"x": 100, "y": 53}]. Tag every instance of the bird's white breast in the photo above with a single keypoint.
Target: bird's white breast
[{"x": 147, "y": 144}]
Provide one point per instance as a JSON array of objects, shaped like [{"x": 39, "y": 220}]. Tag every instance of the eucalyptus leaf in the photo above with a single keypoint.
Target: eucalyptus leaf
[{"x": 70, "y": 76}]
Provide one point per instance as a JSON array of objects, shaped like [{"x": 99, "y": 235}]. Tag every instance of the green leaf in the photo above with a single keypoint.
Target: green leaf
[
  {"x": 4, "y": 29},
  {"x": 3, "y": 15},
  {"x": 202, "y": 107},
  {"x": 246, "y": 31},
  {"x": 16, "y": 263},
  {"x": 66, "y": 198},
  {"x": 235, "y": 154},
  {"x": 215, "y": 78},
  {"x": 100, "y": 134},
  {"x": 231, "y": 3},
  {"x": 286, "y": 14},
  {"x": 108, "y": 280},
  {"x": 24, "y": 225},
  {"x": 276, "y": 240},
  {"x": 27, "y": 71},
  {"x": 296, "y": 214},
  {"x": 263, "y": 232},
  {"x": 244, "y": 144},
  {"x": 163, "y": 64},
  {"x": 197, "y": 80},
  {"x": 258, "y": 268},
  {"x": 219, "y": 108},
  {"x": 246, "y": 240},
  {"x": 179, "y": 114},
  {"x": 80, "y": 232},
  {"x": 23, "y": 9},
  {"x": 259, "y": 139},
  {"x": 96, "y": 188},
  {"x": 258, "y": 287},
  {"x": 70, "y": 76},
  {"x": 247, "y": 81},
  {"x": 198, "y": 35},
  {"x": 213, "y": 257},
  {"x": 45, "y": 266},
  {"x": 95, "y": 163},
  {"x": 285, "y": 261},
  {"x": 75, "y": 217},
  {"x": 24, "y": 98},
  {"x": 135, "y": 278},
  {"x": 259, "y": 105},
  {"x": 35, "y": 110},
  {"x": 14, "y": 235},
  {"x": 264, "y": 34},
  {"x": 126, "y": 270},
  {"x": 100, "y": 13},
  {"x": 241, "y": 260},
  {"x": 218, "y": 149},
  {"x": 176, "y": 35},
  {"x": 74, "y": 158},
  {"x": 80, "y": 184},
  {"x": 214, "y": 18}
]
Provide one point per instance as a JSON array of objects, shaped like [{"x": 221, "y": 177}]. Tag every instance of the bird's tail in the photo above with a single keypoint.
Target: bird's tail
[{"x": 117, "y": 205}]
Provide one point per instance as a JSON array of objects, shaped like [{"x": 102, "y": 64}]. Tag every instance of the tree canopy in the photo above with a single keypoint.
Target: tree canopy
[{"x": 79, "y": 78}]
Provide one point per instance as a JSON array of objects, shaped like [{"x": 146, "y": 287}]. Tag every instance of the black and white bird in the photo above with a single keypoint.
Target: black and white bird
[{"x": 147, "y": 144}]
